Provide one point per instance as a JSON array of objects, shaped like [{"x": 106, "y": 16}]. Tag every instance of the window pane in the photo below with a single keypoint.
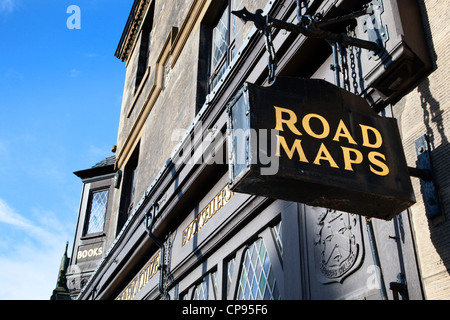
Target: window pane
[
  {"x": 220, "y": 71},
  {"x": 236, "y": 23},
  {"x": 230, "y": 269},
  {"x": 220, "y": 38},
  {"x": 201, "y": 291},
  {"x": 214, "y": 282},
  {"x": 260, "y": 284},
  {"x": 133, "y": 183},
  {"x": 97, "y": 212},
  {"x": 278, "y": 236}
]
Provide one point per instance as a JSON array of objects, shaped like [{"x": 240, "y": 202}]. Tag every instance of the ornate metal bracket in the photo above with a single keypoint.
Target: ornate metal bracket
[
  {"x": 373, "y": 26},
  {"x": 424, "y": 171},
  {"x": 311, "y": 26}
]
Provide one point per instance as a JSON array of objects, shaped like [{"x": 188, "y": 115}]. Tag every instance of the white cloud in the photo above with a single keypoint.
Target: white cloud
[
  {"x": 31, "y": 274},
  {"x": 7, "y": 6},
  {"x": 29, "y": 267},
  {"x": 74, "y": 73},
  {"x": 9, "y": 216}
]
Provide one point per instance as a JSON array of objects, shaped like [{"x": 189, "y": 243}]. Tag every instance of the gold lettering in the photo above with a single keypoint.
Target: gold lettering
[
  {"x": 208, "y": 211},
  {"x": 147, "y": 273},
  {"x": 373, "y": 159},
  {"x": 342, "y": 131},
  {"x": 201, "y": 219},
  {"x": 144, "y": 276},
  {"x": 213, "y": 205},
  {"x": 219, "y": 200},
  {"x": 190, "y": 231},
  {"x": 365, "y": 134},
  {"x": 184, "y": 238},
  {"x": 131, "y": 290},
  {"x": 348, "y": 159},
  {"x": 324, "y": 154},
  {"x": 142, "y": 279},
  {"x": 307, "y": 127},
  {"x": 289, "y": 122},
  {"x": 297, "y": 146}
]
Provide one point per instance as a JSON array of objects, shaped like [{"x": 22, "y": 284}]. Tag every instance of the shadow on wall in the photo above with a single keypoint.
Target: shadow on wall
[{"x": 433, "y": 118}]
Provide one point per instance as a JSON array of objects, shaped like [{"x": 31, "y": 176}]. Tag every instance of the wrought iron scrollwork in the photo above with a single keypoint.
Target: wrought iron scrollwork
[{"x": 310, "y": 26}]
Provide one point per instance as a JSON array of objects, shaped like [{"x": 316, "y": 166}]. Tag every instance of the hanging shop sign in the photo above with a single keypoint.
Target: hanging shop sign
[{"x": 308, "y": 141}]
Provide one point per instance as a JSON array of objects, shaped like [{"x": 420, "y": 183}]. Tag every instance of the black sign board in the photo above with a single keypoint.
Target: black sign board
[{"x": 308, "y": 141}]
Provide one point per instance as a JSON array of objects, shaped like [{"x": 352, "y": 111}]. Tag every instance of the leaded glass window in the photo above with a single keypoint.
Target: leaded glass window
[
  {"x": 236, "y": 22},
  {"x": 97, "y": 212},
  {"x": 220, "y": 47},
  {"x": 230, "y": 268},
  {"x": 257, "y": 281},
  {"x": 226, "y": 38},
  {"x": 277, "y": 235},
  {"x": 214, "y": 283},
  {"x": 205, "y": 290},
  {"x": 201, "y": 291}
]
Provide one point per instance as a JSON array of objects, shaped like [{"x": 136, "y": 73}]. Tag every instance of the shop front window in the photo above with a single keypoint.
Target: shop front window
[{"x": 257, "y": 281}]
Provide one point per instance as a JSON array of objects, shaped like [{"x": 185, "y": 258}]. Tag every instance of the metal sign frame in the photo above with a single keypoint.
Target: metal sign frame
[{"x": 352, "y": 172}]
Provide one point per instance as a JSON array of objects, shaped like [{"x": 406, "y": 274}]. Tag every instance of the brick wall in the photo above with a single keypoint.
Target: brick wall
[{"x": 426, "y": 111}]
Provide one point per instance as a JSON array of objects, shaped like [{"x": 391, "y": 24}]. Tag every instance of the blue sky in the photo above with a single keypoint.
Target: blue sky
[{"x": 60, "y": 99}]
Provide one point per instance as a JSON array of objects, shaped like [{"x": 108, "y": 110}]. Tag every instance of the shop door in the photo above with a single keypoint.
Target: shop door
[{"x": 338, "y": 257}]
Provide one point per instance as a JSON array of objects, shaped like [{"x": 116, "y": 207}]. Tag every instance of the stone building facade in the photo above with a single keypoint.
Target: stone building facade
[
  {"x": 425, "y": 111},
  {"x": 173, "y": 228}
]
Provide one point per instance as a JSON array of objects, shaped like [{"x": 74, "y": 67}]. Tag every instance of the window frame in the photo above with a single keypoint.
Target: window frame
[
  {"x": 144, "y": 47},
  {"x": 233, "y": 28},
  {"x": 270, "y": 271},
  {"x": 87, "y": 217},
  {"x": 217, "y": 69},
  {"x": 227, "y": 288},
  {"x": 129, "y": 184}
]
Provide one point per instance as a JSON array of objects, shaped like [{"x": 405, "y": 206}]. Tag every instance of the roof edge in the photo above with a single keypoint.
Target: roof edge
[{"x": 131, "y": 29}]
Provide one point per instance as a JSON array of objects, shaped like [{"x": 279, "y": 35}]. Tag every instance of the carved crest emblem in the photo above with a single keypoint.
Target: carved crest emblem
[{"x": 338, "y": 244}]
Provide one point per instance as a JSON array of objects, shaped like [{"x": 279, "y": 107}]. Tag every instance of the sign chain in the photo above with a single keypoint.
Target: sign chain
[
  {"x": 352, "y": 62},
  {"x": 272, "y": 58},
  {"x": 344, "y": 68}
]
